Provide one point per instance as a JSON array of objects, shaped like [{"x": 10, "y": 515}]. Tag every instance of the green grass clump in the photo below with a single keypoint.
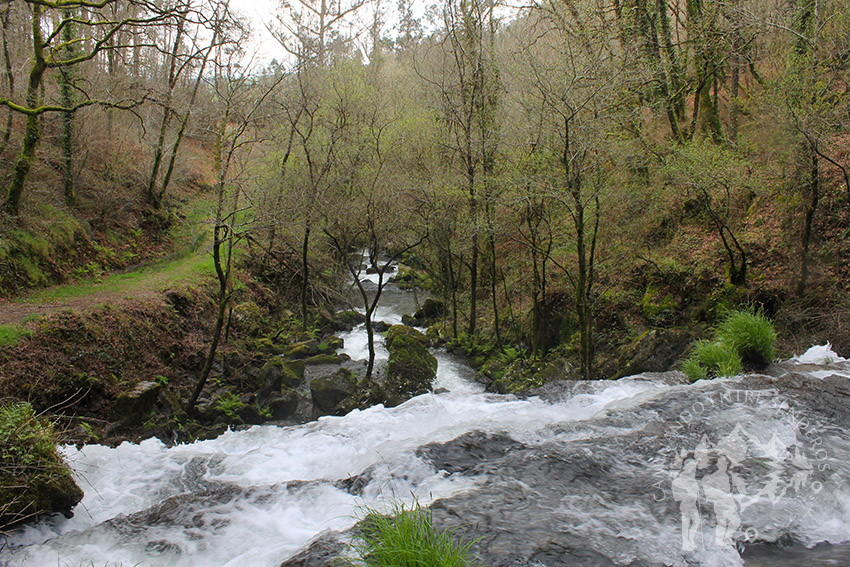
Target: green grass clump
[
  {"x": 742, "y": 337},
  {"x": 750, "y": 334},
  {"x": 406, "y": 539},
  {"x": 712, "y": 359}
]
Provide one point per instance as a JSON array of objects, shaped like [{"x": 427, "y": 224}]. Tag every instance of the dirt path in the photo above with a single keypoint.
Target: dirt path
[{"x": 146, "y": 283}]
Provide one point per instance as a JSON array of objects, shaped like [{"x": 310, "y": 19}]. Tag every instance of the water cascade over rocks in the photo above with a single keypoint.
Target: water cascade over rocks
[{"x": 644, "y": 471}]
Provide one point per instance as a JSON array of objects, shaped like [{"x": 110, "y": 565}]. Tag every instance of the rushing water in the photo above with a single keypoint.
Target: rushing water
[{"x": 578, "y": 475}]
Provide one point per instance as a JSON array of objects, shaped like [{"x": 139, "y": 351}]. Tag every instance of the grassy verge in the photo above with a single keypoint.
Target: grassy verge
[
  {"x": 11, "y": 334},
  {"x": 189, "y": 262}
]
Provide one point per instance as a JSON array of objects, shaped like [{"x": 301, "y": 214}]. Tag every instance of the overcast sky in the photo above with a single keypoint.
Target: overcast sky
[{"x": 261, "y": 12}]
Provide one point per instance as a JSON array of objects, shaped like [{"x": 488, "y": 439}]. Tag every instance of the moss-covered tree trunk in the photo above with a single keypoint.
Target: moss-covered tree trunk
[
  {"x": 32, "y": 129},
  {"x": 65, "y": 79},
  {"x": 9, "y": 76}
]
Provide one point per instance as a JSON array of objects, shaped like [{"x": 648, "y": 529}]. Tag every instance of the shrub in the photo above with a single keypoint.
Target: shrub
[
  {"x": 406, "y": 539},
  {"x": 712, "y": 359},
  {"x": 750, "y": 334}
]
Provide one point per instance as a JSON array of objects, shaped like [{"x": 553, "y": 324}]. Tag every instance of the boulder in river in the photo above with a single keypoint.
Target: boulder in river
[
  {"x": 411, "y": 367},
  {"x": 330, "y": 391}
]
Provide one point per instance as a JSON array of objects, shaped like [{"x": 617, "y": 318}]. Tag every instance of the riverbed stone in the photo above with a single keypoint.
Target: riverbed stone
[
  {"x": 431, "y": 310},
  {"x": 277, "y": 374}
]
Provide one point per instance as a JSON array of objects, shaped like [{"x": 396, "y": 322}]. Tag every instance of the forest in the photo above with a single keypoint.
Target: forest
[{"x": 585, "y": 188}]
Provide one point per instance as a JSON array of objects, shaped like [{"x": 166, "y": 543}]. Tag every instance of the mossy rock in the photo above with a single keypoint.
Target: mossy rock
[
  {"x": 431, "y": 310},
  {"x": 268, "y": 346},
  {"x": 34, "y": 479},
  {"x": 411, "y": 367},
  {"x": 276, "y": 374},
  {"x": 133, "y": 407},
  {"x": 322, "y": 359},
  {"x": 656, "y": 350},
  {"x": 297, "y": 367},
  {"x": 303, "y": 349},
  {"x": 328, "y": 392},
  {"x": 335, "y": 322},
  {"x": 334, "y": 343}
]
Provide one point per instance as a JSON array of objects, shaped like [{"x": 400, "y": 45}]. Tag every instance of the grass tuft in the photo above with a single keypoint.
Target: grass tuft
[
  {"x": 712, "y": 359},
  {"x": 406, "y": 539},
  {"x": 750, "y": 334}
]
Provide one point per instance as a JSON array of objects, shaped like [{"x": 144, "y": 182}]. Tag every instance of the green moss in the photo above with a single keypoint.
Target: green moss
[
  {"x": 33, "y": 477},
  {"x": 657, "y": 307},
  {"x": 322, "y": 359},
  {"x": 411, "y": 368}
]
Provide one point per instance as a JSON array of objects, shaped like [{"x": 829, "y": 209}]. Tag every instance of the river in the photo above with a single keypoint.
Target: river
[{"x": 644, "y": 471}]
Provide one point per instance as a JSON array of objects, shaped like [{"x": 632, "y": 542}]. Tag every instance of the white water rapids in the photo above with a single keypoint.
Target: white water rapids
[{"x": 253, "y": 498}]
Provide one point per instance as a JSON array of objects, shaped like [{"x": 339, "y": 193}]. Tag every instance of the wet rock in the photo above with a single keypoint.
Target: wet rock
[
  {"x": 431, "y": 310},
  {"x": 411, "y": 368},
  {"x": 283, "y": 405},
  {"x": 274, "y": 375},
  {"x": 324, "y": 551},
  {"x": 327, "y": 392},
  {"x": 134, "y": 406},
  {"x": 461, "y": 455},
  {"x": 380, "y": 326},
  {"x": 250, "y": 414},
  {"x": 409, "y": 320},
  {"x": 654, "y": 351}
]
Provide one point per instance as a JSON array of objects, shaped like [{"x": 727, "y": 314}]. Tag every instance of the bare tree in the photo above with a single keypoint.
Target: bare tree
[
  {"x": 49, "y": 51},
  {"x": 242, "y": 103}
]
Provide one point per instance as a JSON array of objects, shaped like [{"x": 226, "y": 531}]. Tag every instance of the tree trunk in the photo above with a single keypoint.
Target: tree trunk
[
  {"x": 811, "y": 209},
  {"x": 305, "y": 273},
  {"x": 32, "y": 130},
  {"x": 65, "y": 79},
  {"x": 10, "y": 78}
]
